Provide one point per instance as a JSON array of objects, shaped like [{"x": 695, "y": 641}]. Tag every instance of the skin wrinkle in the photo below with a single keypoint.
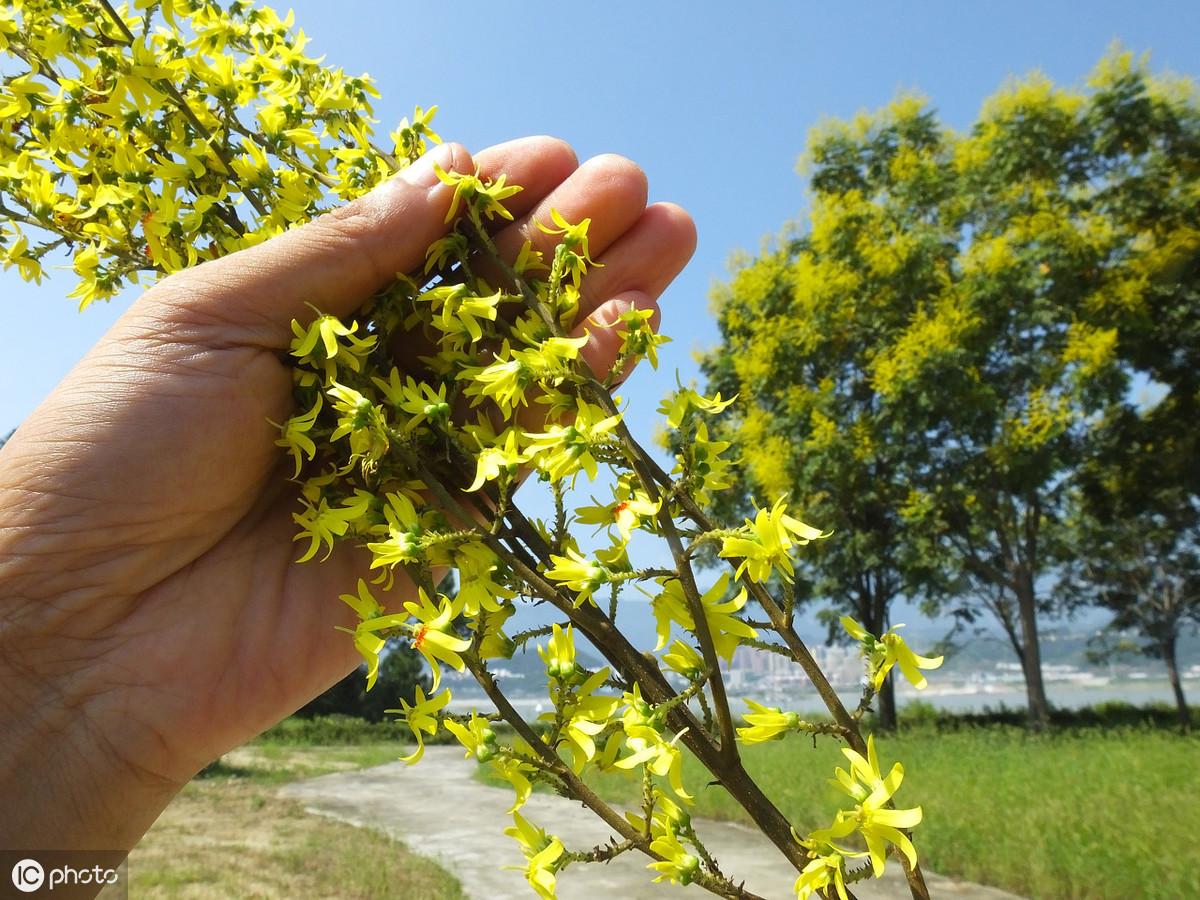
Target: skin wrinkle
[
  {"x": 172, "y": 316},
  {"x": 140, "y": 525}
]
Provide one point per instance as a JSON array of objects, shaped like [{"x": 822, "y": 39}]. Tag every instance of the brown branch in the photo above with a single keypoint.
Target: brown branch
[{"x": 578, "y": 790}]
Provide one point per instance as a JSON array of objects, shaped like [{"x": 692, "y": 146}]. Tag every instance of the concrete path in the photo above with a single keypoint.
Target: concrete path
[{"x": 439, "y": 810}]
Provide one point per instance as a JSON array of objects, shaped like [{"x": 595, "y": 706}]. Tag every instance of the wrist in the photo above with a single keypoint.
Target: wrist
[{"x": 66, "y": 781}]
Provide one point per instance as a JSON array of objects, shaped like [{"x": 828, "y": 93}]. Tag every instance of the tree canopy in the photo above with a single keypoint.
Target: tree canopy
[{"x": 926, "y": 360}]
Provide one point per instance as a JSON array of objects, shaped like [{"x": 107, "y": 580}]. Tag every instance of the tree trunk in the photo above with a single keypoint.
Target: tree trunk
[
  {"x": 1185, "y": 714},
  {"x": 874, "y": 609},
  {"x": 887, "y": 704},
  {"x": 1031, "y": 658}
]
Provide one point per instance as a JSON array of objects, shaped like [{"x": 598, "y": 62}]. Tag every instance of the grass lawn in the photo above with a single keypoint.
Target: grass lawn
[
  {"x": 1083, "y": 812},
  {"x": 227, "y": 834}
]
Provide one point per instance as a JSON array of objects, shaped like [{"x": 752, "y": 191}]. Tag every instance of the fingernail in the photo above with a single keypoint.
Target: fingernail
[{"x": 421, "y": 174}]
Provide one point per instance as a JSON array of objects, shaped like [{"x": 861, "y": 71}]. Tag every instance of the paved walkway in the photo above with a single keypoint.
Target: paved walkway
[{"x": 439, "y": 810}]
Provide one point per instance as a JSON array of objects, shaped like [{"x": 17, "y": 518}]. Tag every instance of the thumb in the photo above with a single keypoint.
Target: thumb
[{"x": 334, "y": 262}]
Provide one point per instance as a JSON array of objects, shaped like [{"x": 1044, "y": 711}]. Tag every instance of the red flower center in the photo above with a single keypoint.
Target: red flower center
[{"x": 419, "y": 636}]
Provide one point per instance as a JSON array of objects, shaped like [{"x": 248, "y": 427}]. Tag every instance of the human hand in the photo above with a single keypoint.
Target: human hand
[{"x": 151, "y": 613}]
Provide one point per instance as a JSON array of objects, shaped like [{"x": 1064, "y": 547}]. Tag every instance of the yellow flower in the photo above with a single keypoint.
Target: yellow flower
[
  {"x": 367, "y": 643},
  {"x": 409, "y": 139},
  {"x": 481, "y": 584},
  {"x": 294, "y": 436},
  {"x": 319, "y": 347},
  {"x": 878, "y": 825},
  {"x": 573, "y": 249},
  {"x": 565, "y": 449},
  {"x": 559, "y": 654},
  {"x": 321, "y": 523},
  {"x": 821, "y": 873},
  {"x": 585, "y": 714},
  {"x": 504, "y": 380},
  {"x": 403, "y": 543},
  {"x": 432, "y": 635},
  {"x": 766, "y": 723},
  {"x": 418, "y": 399},
  {"x": 476, "y": 736},
  {"x": 678, "y": 404},
  {"x": 446, "y": 251},
  {"x": 16, "y": 255},
  {"x": 643, "y": 726},
  {"x": 707, "y": 464},
  {"x": 625, "y": 513},
  {"x": 685, "y": 659},
  {"x": 887, "y": 651},
  {"x": 515, "y": 773},
  {"x": 481, "y": 197},
  {"x": 676, "y": 864},
  {"x": 504, "y": 458},
  {"x": 638, "y": 339},
  {"x": 671, "y": 606},
  {"x": 667, "y": 822},
  {"x": 542, "y": 854},
  {"x": 529, "y": 260},
  {"x": 459, "y": 310},
  {"x": 493, "y": 642},
  {"x": 764, "y": 543},
  {"x": 360, "y": 419},
  {"x": 580, "y": 574},
  {"x": 421, "y": 717}
]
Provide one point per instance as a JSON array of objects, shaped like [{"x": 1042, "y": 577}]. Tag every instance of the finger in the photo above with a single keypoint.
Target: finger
[
  {"x": 608, "y": 189},
  {"x": 645, "y": 259}
]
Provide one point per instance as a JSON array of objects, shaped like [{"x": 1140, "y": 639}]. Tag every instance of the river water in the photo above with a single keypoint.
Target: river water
[{"x": 953, "y": 698}]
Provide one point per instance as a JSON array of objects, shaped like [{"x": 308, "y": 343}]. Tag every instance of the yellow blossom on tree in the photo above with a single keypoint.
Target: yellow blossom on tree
[
  {"x": 422, "y": 718},
  {"x": 542, "y": 855},
  {"x": 890, "y": 649}
]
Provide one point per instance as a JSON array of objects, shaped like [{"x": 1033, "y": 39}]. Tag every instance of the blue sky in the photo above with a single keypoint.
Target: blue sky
[{"x": 712, "y": 99}]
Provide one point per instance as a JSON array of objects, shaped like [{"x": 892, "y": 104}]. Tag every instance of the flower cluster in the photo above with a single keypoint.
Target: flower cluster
[
  {"x": 143, "y": 149},
  {"x": 873, "y": 818}
]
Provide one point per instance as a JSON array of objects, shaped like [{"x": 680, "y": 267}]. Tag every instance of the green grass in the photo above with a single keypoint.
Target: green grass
[
  {"x": 265, "y": 762},
  {"x": 229, "y": 834},
  {"x": 334, "y": 730},
  {"x": 233, "y": 837},
  {"x": 1080, "y": 813}
]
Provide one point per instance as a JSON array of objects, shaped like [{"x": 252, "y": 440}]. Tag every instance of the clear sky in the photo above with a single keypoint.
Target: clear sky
[{"x": 712, "y": 99}]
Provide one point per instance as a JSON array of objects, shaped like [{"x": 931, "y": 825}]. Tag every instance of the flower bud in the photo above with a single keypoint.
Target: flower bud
[
  {"x": 437, "y": 410},
  {"x": 688, "y": 866}
]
